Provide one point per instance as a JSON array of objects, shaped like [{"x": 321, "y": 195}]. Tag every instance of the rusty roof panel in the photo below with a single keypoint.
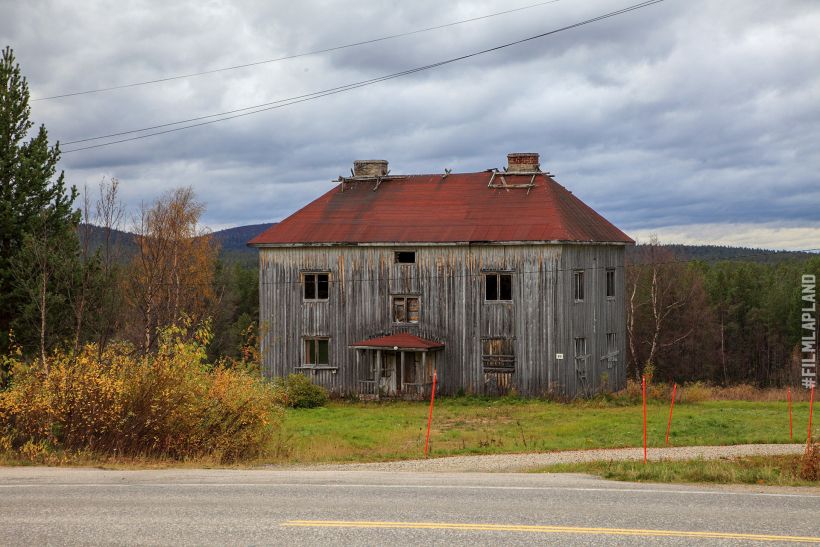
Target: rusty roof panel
[
  {"x": 429, "y": 209},
  {"x": 401, "y": 340}
]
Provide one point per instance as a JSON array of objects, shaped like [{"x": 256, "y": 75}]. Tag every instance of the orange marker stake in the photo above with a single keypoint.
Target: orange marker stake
[
  {"x": 430, "y": 417},
  {"x": 643, "y": 393},
  {"x": 671, "y": 408},
  {"x": 811, "y": 411},
  {"x": 791, "y": 432}
]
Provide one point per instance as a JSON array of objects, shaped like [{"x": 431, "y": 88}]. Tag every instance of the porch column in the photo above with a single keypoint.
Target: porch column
[
  {"x": 378, "y": 372},
  {"x": 401, "y": 373},
  {"x": 424, "y": 366}
]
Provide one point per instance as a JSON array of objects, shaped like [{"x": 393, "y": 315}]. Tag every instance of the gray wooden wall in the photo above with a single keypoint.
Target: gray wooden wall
[{"x": 543, "y": 318}]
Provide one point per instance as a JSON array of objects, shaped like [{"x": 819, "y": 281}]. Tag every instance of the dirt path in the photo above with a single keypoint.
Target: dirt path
[{"x": 523, "y": 462}]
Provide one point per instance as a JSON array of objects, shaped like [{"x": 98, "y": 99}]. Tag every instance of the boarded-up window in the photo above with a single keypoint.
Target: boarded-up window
[
  {"x": 316, "y": 352},
  {"x": 497, "y": 286},
  {"x": 498, "y": 355},
  {"x": 405, "y": 309},
  {"x": 578, "y": 285},
  {"x": 316, "y": 286},
  {"x": 610, "y": 283}
]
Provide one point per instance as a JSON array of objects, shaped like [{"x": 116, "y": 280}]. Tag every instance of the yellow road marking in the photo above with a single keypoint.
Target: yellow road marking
[{"x": 546, "y": 529}]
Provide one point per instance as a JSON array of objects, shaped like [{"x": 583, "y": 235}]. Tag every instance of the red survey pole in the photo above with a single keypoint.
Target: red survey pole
[
  {"x": 671, "y": 408},
  {"x": 430, "y": 417},
  {"x": 791, "y": 431},
  {"x": 643, "y": 394},
  {"x": 811, "y": 411}
]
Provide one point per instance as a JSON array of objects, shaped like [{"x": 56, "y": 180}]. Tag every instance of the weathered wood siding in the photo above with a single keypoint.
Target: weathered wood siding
[{"x": 542, "y": 318}]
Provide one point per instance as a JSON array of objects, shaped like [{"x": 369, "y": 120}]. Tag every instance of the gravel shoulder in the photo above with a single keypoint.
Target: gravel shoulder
[{"x": 507, "y": 463}]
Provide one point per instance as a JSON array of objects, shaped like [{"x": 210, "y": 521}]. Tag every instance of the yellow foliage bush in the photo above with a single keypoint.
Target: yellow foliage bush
[{"x": 168, "y": 405}]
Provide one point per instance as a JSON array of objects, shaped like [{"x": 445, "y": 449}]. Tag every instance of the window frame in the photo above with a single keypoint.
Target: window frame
[
  {"x": 578, "y": 285},
  {"x": 500, "y": 362},
  {"x": 610, "y": 274},
  {"x": 498, "y": 286},
  {"x": 315, "y": 341},
  {"x": 316, "y": 284},
  {"x": 584, "y": 354},
  {"x": 406, "y": 298}
]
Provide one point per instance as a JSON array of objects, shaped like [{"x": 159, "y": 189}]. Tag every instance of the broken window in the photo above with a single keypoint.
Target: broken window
[
  {"x": 497, "y": 286},
  {"x": 578, "y": 285},
  {"x": 610, "y": 283},
  {"x": 405, "y": 309},
  {"x": 316, "y": 286},
  {"x": 611, "y": 349},
  {"x": 316, "y": 352},
  {"x": 498, "y": 355},
  {"x": 405, "y": 257},
  {"x": 580, "y": 349}
]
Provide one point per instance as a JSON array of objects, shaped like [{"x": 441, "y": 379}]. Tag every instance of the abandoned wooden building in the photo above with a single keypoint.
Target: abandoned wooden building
[{"x": 498, "y": 280}]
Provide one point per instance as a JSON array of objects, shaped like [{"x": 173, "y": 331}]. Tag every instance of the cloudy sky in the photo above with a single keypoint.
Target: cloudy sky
[{"x": 696, "y": 120}]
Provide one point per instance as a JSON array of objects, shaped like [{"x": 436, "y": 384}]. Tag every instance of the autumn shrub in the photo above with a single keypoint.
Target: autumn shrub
[
  {"x": 810, "y": 463},
  {"x": 169, "y": 405},
  {"x": 297, "y": 391}
]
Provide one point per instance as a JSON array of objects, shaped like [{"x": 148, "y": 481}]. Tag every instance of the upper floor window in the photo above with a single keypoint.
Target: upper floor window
[
  {"x": 405, "y": 257},
  {"x": 316, "y": 286},
  {"x": 316, "y": 352},
  {"x": 405, "y": 309},
  {"x": 497, "y": 286},
  {"x": 610, "y": 283},
  {"x": 578, "y": 285}
]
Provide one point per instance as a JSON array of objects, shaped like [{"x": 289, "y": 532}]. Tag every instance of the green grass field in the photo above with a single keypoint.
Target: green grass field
[
  {"x": 344, "y": 432},
  {"x": 769, "y": 470}
]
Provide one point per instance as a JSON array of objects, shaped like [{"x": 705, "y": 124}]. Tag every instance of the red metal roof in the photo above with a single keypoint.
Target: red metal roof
[
  {"x": 400, "y": 340},
  {"x": 430, "y": 209}
]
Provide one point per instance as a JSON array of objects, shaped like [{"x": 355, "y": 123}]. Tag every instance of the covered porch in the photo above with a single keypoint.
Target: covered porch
[{"x": 397, "y": 365}]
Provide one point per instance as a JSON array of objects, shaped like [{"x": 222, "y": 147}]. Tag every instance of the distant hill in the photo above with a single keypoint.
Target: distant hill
[
  {"x": 234, "y": 242},
  {"x": 234, "y": 247}
]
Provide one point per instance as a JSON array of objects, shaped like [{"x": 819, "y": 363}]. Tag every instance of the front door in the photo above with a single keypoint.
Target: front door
[{"x": 387, "y": 382}]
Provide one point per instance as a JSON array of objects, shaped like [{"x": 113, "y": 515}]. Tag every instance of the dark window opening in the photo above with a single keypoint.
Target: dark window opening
[
  {"x": 405, "y": 257},
  {"x": 498, "y": 287},
  {"x": 405, "y": 309},
  {"x": 498, "y": 355},
  {"x": 316, "y": 286},
  {"x": 578, "y": 285},
  {"x": 610, "y": 283},
  {"x": 316, "y": 352}
]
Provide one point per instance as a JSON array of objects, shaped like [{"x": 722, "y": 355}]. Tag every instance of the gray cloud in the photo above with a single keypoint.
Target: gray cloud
[{"x": 695, "y": 113}]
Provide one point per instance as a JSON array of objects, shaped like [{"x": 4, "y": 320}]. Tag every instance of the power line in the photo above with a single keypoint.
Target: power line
[
  {"x": 281, "y": 103},
  {"x": 296, "y": 55}
]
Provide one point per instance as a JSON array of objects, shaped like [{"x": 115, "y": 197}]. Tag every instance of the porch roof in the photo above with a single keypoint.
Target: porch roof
[{"x": 401, "y": 340}]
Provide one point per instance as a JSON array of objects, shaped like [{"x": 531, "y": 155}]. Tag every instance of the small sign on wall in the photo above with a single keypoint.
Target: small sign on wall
[{"x": 559, "y": 356}]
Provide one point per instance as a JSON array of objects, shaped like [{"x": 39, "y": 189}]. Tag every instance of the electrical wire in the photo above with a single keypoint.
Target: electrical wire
[
  {"x": 281, "y": 103},
  {"x": 295, "y": 55}
]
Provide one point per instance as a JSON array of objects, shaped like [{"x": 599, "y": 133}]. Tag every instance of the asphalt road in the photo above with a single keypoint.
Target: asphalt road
[{"x": 86, "y": 506}]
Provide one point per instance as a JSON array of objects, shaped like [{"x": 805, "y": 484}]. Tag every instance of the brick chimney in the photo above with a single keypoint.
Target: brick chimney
[
  {"x": 369, "y": 168},
  {"x": 523, "y": 161}
]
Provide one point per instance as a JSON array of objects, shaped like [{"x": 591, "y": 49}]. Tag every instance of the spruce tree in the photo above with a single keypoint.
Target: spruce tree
[{"x": 33, "y": 202}]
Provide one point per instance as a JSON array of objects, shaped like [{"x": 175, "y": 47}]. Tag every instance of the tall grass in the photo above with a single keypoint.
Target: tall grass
[{"x": 171, "y": 405}]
